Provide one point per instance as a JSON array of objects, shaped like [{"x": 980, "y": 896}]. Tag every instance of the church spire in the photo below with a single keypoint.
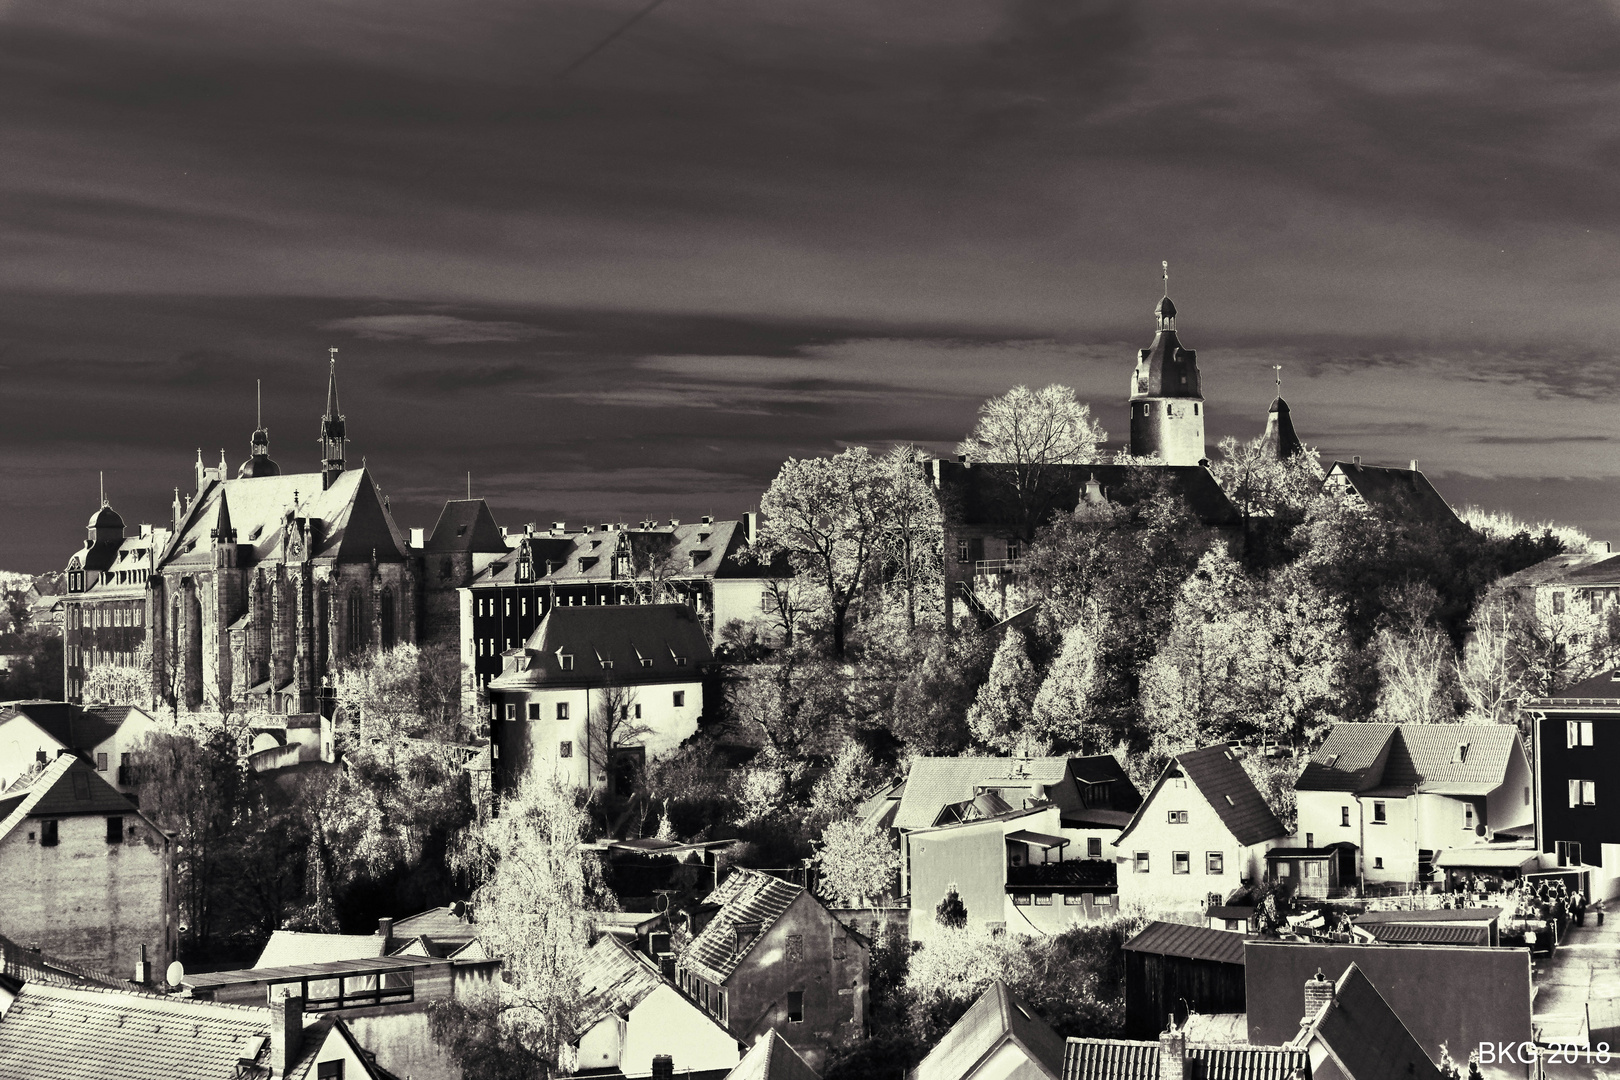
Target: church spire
[
  {"x": 1167, "y": 402},
  {"x": 332, "y": 430},
  {"x": 1279, "y": 436}
]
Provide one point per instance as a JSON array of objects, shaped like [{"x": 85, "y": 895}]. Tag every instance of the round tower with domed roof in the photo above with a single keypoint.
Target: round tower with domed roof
[{"x": 1167, "y": 403}]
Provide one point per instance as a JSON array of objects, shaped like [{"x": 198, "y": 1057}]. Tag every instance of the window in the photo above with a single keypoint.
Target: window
[
  {"x": 1468, "y": 816},
  {"x": 795, "y": 947},
  {"x": 1332, "y": 760},
  {"x": 1015, "y": 549},
  {"x": 1284, "y": 869},
  {"x": 1597, "y": 603},
  {"x": 1310, "y": 840},
  {"x": 511, "y": 711},
  {"x": 1214, "y": 862},
  {"x": 1558, "y": 603},
  {"x": 1043, "y": 899},
  {"x": 115, "y": 830},
  {"x": 534, "y": 710},
  {"x": 1527, "y": 794},
  {"x": 388, "y": 618},
  {"x": 1075, "y": 899},
  {"x": 1178, "y": 817},
  {"x": 1093, "y": 847},
  {"x": 795, "y": 1006},
  {"x": 565, "y": 661},
  {"x": 1569, "y": 853},
  {"x": 964, "y": 551},
  {"x": 1586, "y": 732},
  {"x": 1181, "y": 863},
  {"x": 1378, "y": 862},
  {"x": 646, "y": 661},
  {"x": 1344, "y": 816},
  {"x": 1459, "y": 756},
  {"x": 1021, "y": 899},
  {"x": 680, "y": 699},
  {"x": 357, "y": 637},
  {"x": 101, "y": 763},
  {"x": 1380, "y": 813},
  {"x": 329, "y": 1070},
  {"x": 1583, "y": 793},
  {"x": 562, "y": 710},
  {"x": 638, "y": 712},
  {"x": 47, "y": 834},
  {"x": 1141, "y": 860},
  {"x": 565, "y": 749},
  {"x": 1103, "y": 900},
  {"x": 767, "y": 601}
]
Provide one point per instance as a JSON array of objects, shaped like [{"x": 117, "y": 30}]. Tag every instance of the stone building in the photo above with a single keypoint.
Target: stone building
[{"x": 1167, "y": 401}]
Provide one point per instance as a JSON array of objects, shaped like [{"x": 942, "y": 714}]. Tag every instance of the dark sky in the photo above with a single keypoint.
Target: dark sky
[{"x": 748, "y": 230}]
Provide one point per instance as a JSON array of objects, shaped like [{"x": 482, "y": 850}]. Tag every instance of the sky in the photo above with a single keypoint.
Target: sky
[{"x": 620, "y": 268}]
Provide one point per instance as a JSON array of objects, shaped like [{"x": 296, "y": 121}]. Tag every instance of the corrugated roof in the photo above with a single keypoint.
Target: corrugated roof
[
  {"x": 1225, "y": 783},
  {"x": 1366, "y": 1036},
  {"x": 997, "y": 1015},
  {"x": 613, "y": 981},
  {"x": 1191, "y": 942},
  {"x": 465, "y": 525},
  {"x": 771, "y": 1058},
  {"x": 1429, "y": 933},
  {"x": 746, "y": 897},
  {"x": 626, "y": 643},
  {"x": 1118, "y": 1059},
  {"x": 289, "y": 947}
]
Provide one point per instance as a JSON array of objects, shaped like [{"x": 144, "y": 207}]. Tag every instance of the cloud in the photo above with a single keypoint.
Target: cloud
[{"x": 434, "y": 329}]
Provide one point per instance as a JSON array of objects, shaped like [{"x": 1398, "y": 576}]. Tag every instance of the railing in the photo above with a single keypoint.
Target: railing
[{"x": 997, "y": 567}]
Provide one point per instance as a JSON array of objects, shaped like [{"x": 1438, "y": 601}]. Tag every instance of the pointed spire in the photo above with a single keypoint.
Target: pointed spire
[
  {"x": 331, "y": 387},
  {"x": 1279, "y": 435},
  {"x": 222, "y": 531},
  {"x": 333, "y": 431}
]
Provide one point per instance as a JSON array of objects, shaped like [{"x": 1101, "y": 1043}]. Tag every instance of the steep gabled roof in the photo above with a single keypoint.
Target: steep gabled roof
[
  {"x": 1425, "y": 758},
  {"x": 996, "y": 1018},
  {"x": 771, "y": 1058},
  {"x": 747, "y": 899},
  {"x": 1365, "y": 1036},
  {"x": 613, "y": 981},
  {"x": 73, "y": 727},
  {"x": 692, "y": 551},
  {"x": 624, "y": 644},
  {"x": 1225, "y": 785},
  {"x": 1400, "y": 494},
  {"x": 68, "y": 787},
  {"x": 1351, "y": 758},
  {"x": 465, "y": 525}
]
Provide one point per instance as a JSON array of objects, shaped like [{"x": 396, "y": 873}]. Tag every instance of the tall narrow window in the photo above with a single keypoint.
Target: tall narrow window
[
  {"x": 388, "y": 618},
  {"x": 47, "y": 834},
  {"x": 357, "y": 632},
  {"x": 115, "y": 830},
  {"x": 795, "y": 1006}
]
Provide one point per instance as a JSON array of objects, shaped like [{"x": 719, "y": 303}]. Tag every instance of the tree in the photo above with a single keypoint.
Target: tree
[
  {"x": 840, "y": 791},
  {"x": 913, "y": 535},
  {"x": 1485, "y": 671},
  {"x": 951, "y": 912},
  {"x": 1192, "y": 688},
  {"x": 1272, "y": 494},
  {"x": 1065, "y": 704},
  {"x": 858, "y": 862},
  {"x": 533, "y": 913},
  {"x": 936, "y": 687},
  {"x": 830, "y": 516},
  {"x": 615, "y": 723},
  {"x": 1001, "y": 713},
  {"x": 1023, "y": 435},
  {"x": 109, "y": 684}
]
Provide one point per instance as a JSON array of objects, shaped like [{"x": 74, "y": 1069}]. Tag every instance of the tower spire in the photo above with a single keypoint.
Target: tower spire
[
  {"x": 333, "y": 434},
  {"x": 1166, "y": 264},
  {"x": 1278, "y": 369}
]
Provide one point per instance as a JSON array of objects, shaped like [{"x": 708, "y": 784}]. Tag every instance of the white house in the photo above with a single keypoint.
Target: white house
[
  {"x": 1402, "y": 793},
  {"x": 1202, "y": 831},
  {"x": 632, "y": 1015},
  {"x": 34, "y": 732},
  {"x": 595, "y": 690}
]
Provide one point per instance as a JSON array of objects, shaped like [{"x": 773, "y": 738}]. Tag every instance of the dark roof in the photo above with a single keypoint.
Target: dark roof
[
  {"x": 1365, "y": 1035},
  {"x": 326, "y": 969},
  {"x": 1279, "y": 434},
  {"x": 1190, "y": 942},
  {"x": 68, "y": 787},
  {"x": 771, "y": 1058},
  {"x": 465, "y": 525},
  {"x": 1398, "y": 493},
  {"x": 692, "y": 551},
  {"x": 439, "y": 922},
  {"x": 936, "y": 782},
  {"x": 1411, "y": 757},
  {"x": 749, "y": 898},
  {"x": 1229, "y": 912},
  {"x": 1165, "y": 368},
  {"x": 1564, "y": 567},
  {"x": 1088, "y": 818},
  {"x": 622, "y": 643},
  {"x": 32, "y": 966},
  {"x": 1071, "y": 873},
  {"x": 1351, "y": 758},
  {"x": 1117, "y": 1059},
  {"x": 1310, "y": 852},
  {"x": 1430, "y": 933},
  {"x": 1602, "y": 687},
  {"x": 979, "y": 492},
  {"x": 997, "y": 1016},
  {"x": 1439, "y": 915},
  {"x": 1223, "y": 781},
  {"x": 72, "y": 726},
  {"x": 613, "y": 981},
  {"x": 105, "y": 518}
]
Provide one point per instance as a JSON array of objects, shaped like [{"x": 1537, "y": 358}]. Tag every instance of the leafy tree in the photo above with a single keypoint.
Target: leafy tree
[
  {"x": 1300, "y": 662},
  {"x": 1272, "y": 494},
  {"x": 830, "y": 516},
  {"x": 1192, "y": 689},
  {"x": 110, "y": 684},
  {"x": 858, "y": 862},
  {"x": 951, "y": 912},
  {"x": 1065, "y": 704},
  {"x": 1022, "y": 435},
  {"x": 935, "y": 689},
  {"x": 1001, "y": 713},
  {"x": 912, "y": 538},
  {"x": 841, "y": 790}
]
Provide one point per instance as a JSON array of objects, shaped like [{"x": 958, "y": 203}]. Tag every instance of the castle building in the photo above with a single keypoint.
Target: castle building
[{"x": 1167, "y": 404}]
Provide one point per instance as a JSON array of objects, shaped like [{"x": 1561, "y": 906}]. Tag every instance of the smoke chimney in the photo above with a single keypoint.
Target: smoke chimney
[
  {"x": 1172, "y": 1052},
  {"x": 663, "y": 1067},
  {"x": 1357, "y": 460},
  {"x": 751, "y": 524},
  {"x": 286, "y": 1034},
  {"x": 143, "y": 972},
  {"x": 385, "y": 930},
  {"x": 1414, "y": 465},
  {"x": 1318, "y": 992},
  {"x": 559, "y": 526}
]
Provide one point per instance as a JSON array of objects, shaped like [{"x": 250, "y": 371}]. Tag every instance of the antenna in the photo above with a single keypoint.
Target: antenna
[
  {"x": 259, "y": 392},
  {"x": 469, "y": 485}
]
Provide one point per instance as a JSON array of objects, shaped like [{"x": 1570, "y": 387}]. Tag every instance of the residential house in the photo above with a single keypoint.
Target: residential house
[
  {"x": 1239, "y": 918},
  {"x": 595, "y": 690},
  {"x": 630, "y": 1016},
  {"x": 1171, "y": 967},
  {"x": 1572, "y": 596},
  {"x": 1010, "y": 869},
  {"x": 449, "y": 930},
  {"x": 33, "y": 733},
  {"x": 998, "y": 1038},
  {"x": 1351, "y": 1032},
  {"x": 71, "y": 1032},
  {"x": 84, "y": 874},
  {"x": 1576, "y": 737},
  {"x": 1403, "y": 495},
  {"x": 1203, "y": 830},
  {"x": 763, "y": 954},
  {"x": 1400, "y": 793},
  {"x": 771, "y": 1058}
]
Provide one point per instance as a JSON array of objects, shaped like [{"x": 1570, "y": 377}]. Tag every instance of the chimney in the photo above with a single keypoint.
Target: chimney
[
  {"x": 708, "y": 519},
  {"x": 559, "y": 526},
  {"x": 1356, "y": 460},
  {"x": 1414, "y": 465},
  {"x": 1602, "y": 547},
  {"x": 674, "y": 523},
  {"x": 286, "y": 1034},
  {"x": 663, "y": 1067},
  {"x": 1173, "y": 1052},
  {"x": 1318, "y": 992},
  {"x": 385, "y": 930},
  {"x": 751, "y": 525},
  {"x": 143, "y": 972},
  {"x": 418, "y": 537}
]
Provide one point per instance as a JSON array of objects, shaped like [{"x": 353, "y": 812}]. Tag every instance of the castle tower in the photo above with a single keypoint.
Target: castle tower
[
  {"x": 258, "y": 462},
  {"x": 1167, "y": 405},
  {"x": 1279, "y": 437},
  {"x": 332, "y": 431}
]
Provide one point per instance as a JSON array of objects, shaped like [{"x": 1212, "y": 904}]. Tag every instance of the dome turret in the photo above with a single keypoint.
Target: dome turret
[{"x": 259, "y": 462}]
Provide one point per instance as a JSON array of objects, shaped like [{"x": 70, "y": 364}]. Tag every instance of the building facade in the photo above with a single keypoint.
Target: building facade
[
  {"x": 1577, "y": 750},
  {"x": 1167, "y": 401}
]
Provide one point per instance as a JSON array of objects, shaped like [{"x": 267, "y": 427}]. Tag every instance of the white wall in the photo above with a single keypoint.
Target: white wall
[
  {"x": 737, "y": 598},
  {"x": 667, "y": 1023},
  {"x": 670, "y": 724},
  {"x": 130, "y": 734},
  {"x": 1395, "y": 841},
  {"x": 20, "y": 741},
  {"x": 1161, "y": 889},
  {"x": 1508, "y": 807}
]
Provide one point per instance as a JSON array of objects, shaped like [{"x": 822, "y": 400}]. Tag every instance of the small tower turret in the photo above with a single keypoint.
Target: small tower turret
[
  {"x": 1279, "y": 437},
  {"x": 258, "y": 462},
  {"x": 223, "y": 536},
  {"x": 1167, "y": 403},
  {"x": 333, "y": 435}
]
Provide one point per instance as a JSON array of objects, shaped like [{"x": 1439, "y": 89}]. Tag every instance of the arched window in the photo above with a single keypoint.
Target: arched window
[
  {"x": 388, "y": 618},
  {"x": 357, "y": 628}
]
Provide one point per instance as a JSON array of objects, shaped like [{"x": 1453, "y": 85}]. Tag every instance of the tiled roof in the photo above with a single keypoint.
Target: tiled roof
[
  {"x": 1190, "y": 942},
  {"x": 696, "y": 550},
  {"x": 1366, "y": 1036},
  {"x": 69, "y": 787},
  {"x": 74, "y": 727},
  {"x": 31, "y": 966},
  {"x": 1222, "y": 780},
  {"x": 1423, "y": 757},
  {"x": 613, "y": 981},
  {"x": 75, "y": 1033},
  {"x": 1559, "y": 568},
  {"x": 998, "y": 1015},
  {"x": 746, "y": 897},
  {"x": 289, "y": 947},
  {"x": 1604, "y": 685},
  {"x": 1117, "y": 1059},
  {"x": 439, "y": 922},
  {"x": 771, "y": 1058},
  {"x": 936, "y": 782},
  {"x": 1351, "y": 758},
  {"x": 626, "y": 643},
  {"x": 465, "y": 525},
  {"x": 979, "y": 492},
  {"x": 1429, "y": 933},
  {"x": 1399, "y": 493}
]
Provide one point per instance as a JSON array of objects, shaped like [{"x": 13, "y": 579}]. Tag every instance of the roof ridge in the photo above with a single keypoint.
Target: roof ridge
[{"x": 144, "y": 996}]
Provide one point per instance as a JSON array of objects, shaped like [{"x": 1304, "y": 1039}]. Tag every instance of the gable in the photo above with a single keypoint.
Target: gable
[{"x": 1225, "y": 786}]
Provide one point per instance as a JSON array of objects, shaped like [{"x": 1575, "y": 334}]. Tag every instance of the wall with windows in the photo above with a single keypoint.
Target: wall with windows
[
  {"x": 80, "y": 893},
  {"x": 1577, "y": 756},
  {"x": 1190, "y": 855}
]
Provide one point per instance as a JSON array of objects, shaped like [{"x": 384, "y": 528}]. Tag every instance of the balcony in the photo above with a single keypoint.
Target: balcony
[{"x": 993, "y": 568}]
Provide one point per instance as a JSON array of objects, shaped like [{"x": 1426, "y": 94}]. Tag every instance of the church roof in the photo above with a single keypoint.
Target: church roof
[
  {"x": 106, "y": 518},
  {"x": 980, "y": 493},
  {"x": 1402, "y": 494},
  {"x": 1279, "y": 436},
  {"x": 632, "y": 643},
  {"x": 353, "y": 520},
  {"x": 465, "y": 525}
]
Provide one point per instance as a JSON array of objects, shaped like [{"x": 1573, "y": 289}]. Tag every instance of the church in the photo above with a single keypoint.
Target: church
[{"x": 257, "y": 589}]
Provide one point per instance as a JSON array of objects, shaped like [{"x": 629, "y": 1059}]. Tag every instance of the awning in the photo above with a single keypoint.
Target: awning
[
  {"x": 1485, "y": 858},
  {"x": 1041, "y": 840}
]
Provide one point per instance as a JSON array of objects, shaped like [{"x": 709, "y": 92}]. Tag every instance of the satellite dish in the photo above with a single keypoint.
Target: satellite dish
[{"x": 176, "y": 974}]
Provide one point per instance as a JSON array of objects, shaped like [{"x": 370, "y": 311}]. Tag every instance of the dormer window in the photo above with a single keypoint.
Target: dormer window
[
  {"x": 699, "y": 556},
  {"x": 565, "y": 661},
  {"x": 461, "y": 530},
  {"x": 621, "y": 566},
  {"x": 1460, "y": 755},
  {"x": 1332, "y": 760},
  {"x": 520, "y": 662}
]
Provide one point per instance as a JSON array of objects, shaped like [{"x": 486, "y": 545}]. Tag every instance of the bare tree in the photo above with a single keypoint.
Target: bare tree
[
  {"x": 615, "y": 723},
  {"x": 1025, "y": 435},
  {"x": 913, "y": 535}
]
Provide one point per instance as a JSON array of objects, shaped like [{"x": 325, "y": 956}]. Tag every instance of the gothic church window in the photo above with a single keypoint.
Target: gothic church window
[
  {"x": 388, "y": 618},
  {"x": 357, "y": 638}
]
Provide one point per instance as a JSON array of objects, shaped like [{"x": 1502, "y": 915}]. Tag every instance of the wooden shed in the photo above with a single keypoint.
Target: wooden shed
[{"x": 1174, "y": 968}]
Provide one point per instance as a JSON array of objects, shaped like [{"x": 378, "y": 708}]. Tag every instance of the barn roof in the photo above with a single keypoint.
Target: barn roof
[
  {"x": 997, "y": 1016},
  {"x": 1189, "y": 942}
]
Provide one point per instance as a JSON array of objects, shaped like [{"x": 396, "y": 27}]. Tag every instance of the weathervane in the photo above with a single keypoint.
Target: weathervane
[
  {"x": 1278, "y": 369},
  {"x": 1166, "y": 264}
]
